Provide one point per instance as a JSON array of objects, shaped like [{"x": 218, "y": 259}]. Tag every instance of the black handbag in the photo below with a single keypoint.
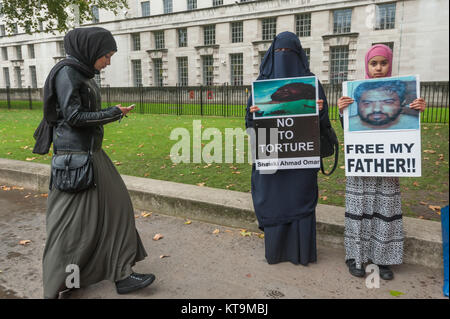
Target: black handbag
[
  {"x": 72, "y": 171},
  {"x": 329, "y": 145}
]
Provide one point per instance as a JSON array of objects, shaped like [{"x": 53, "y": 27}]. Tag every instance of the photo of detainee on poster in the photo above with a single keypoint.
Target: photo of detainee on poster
[
  {"x": 285, "y": 97},
  {"x": 383, "y": 104}
]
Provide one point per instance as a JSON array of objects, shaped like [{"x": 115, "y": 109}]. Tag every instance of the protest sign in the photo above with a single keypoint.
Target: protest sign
[
  {"x": 287, "y": 125},
  {"x": 381, "y": 132}
]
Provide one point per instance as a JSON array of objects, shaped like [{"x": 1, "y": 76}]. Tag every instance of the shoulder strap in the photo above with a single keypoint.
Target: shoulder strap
[{"x": 336, "y": 158}]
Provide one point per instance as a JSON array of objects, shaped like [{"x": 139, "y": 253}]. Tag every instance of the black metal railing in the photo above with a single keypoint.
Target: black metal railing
[{"x": 224, "y": 100}]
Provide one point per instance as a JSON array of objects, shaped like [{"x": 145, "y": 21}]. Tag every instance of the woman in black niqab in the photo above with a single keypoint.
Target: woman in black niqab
[{"x": 285, "y": 201}]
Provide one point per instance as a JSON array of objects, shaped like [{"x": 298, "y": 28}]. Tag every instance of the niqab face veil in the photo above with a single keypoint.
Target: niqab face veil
[
  {"x": 284, "y": 64},
  {"x": 87, "y": 45}
]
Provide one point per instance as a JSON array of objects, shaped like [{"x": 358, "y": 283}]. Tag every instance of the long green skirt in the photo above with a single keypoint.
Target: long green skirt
[{"x": 93, "y": 230}]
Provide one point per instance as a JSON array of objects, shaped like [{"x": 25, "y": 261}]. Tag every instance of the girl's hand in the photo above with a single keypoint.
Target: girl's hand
[
  {"x": 418, "y": 104},
  {"x": 344, "y": 102},
  {"x": 320, "y": 104},
  {"x": 254, "y": 108}
]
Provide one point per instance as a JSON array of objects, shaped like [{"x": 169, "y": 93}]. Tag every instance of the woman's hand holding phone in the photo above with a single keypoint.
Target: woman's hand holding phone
[{"x": 126, "y": 109}]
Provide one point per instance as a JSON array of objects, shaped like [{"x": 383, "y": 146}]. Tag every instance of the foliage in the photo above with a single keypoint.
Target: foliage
[{"x": 53, "y": 15}]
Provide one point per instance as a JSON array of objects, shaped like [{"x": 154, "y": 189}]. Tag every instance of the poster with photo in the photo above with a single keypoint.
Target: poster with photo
[
  {"x": 287, "y": 125},
  {"x": 285, "y": 97},
  {"x": 381, "y": 132}
]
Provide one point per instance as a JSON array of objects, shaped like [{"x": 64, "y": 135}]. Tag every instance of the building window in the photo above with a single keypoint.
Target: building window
[
  {"x": 15, "y": 29},
  {"x": 31, "y": 54},
  {"x": 208, "y": 70},
  {"x": 182, "y": 64},
  {"x": 5, "y": 53},
  {"x": 182, "y": 38},
  {"x": 19, "y": 52},
  {"x": 385, "y": 14},
  {"x": 136, "y": 41},
  {"x": 191, "y": 4},
  {"x": 2, "y": 30},
  {"x": 159, "y": 40},
  {"x": 237, "y": 77},
  {"x": 158, "y": 72},
  {"x": 145, "y": 8},
  {"x": 342, "y": 21},
  {"x": 308, "y": 54},
  {"x": 237, "y": 32},
  {"x": 18, "y": 76},
  {"x": 261, "y": 56},
  {"x": 339, "y": 64},
  {"x": 61, "y": 49},
  {"x": 33, "y": 77},
  {"x": 217, "y": 3},
  {"x": 209, "y": 34},
  {"x": 98, "y": 80},
  {"x": 137, "y": 73},
  {"x": 95, "y": 14},
  {"x": 303, "y": 25},
  {"x": 6, "y": 76},
  {"x": 269, "y": 28},
  {"x": 168, "y": 6}
]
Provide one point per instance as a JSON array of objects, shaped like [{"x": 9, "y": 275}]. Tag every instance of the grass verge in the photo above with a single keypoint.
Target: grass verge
[{"x": 140, "y": 146}]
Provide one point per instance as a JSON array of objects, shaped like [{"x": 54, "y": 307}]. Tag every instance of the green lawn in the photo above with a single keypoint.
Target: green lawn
[{"x": 140, "y": 146}]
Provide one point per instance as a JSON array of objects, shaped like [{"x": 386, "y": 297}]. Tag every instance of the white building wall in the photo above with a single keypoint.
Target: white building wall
[{"x": 420, "y": 39}]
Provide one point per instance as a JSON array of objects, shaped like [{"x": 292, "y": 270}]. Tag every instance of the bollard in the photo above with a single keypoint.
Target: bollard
[{"x": 444, "y": 224}]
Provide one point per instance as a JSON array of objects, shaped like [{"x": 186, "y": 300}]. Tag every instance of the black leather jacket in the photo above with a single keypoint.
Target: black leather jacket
[{"x": 80, "y": 117}]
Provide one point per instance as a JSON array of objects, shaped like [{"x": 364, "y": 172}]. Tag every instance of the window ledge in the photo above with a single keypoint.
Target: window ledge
[
  {"x": 214, "y": 46},
  {"x": 156, "y": 50},
  {"x": 261, "y": 41},
  {"x": 348, "y": 34}
]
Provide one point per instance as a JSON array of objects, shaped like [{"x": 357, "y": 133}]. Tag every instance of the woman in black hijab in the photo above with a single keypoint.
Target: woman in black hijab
[
  {"x": 92, "y": 230},
  {"x": 285, "y": 201}
]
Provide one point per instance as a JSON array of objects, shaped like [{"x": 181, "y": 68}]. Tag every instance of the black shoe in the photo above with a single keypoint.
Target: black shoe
[
  {"x": 134, "y": 282},
  {"x": 357, "y": 272},
  {"x": 385, "y": 272}
]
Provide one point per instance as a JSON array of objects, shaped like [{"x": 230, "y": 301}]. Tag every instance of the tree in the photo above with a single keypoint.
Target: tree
[{"x": 52, "y": 15}]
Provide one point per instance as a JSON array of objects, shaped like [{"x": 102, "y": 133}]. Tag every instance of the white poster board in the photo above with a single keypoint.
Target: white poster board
[
  {"x": 287, "y": 125},
  {"x": 381, "y": 132}
]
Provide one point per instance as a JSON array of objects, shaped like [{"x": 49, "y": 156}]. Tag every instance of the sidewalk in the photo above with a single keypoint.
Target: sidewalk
[
  {"x": 200, "y": 264},
  {"x": 423, "y": 242}
]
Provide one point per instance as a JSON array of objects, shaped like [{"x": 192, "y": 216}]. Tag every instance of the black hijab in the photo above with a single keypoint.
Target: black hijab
[
  {"x": 87, "y": 45},
  {"x": 84, "y": 46}
]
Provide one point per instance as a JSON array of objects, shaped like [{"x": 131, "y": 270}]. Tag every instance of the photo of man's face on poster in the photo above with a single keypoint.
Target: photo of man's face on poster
[{"x": 383, "y": 105}]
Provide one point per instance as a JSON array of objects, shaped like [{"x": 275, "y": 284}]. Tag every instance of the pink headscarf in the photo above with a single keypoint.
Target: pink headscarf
[{"x": 382, "y": 50}]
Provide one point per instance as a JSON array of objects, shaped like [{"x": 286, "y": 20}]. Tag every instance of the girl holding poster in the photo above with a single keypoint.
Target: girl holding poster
[
  {"x": 373, "y": 215},
  {"x": 285, "y": 201}
]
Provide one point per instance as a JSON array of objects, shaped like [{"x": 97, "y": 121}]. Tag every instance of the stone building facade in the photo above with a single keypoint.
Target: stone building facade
[{"x": 211, "y": 42}]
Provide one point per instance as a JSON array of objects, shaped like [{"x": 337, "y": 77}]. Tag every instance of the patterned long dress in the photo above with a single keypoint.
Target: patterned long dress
[{"x": 373, "y": 220}]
